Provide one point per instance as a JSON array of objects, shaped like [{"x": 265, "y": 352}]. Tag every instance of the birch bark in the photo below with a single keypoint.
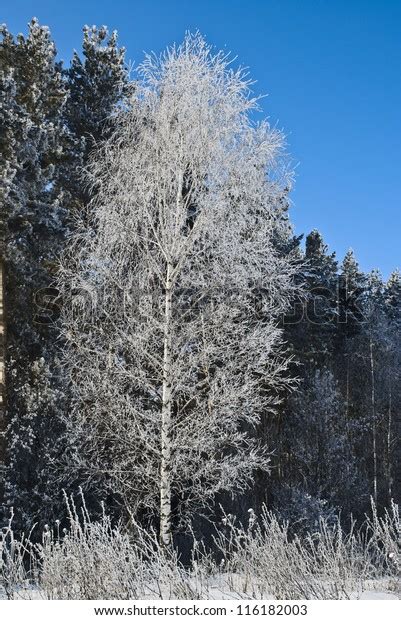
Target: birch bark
[
  {"x": 374, "y": 431},
  {"x": 2, "y": 368},
  {"x": 389, "y": 442},
  {"x": 165, "y": 467}
]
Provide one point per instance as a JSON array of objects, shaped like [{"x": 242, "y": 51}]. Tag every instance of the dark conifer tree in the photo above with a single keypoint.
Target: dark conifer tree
[
  {"x": 97, "y": 85},
  {"x": 32, "y": 219},
  {"x": 51, "y": 119},
  {"x": 392, "y": 301}
]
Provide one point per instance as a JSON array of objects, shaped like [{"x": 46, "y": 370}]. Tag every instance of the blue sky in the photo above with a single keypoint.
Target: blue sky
[{"x": 331, "y": 69}]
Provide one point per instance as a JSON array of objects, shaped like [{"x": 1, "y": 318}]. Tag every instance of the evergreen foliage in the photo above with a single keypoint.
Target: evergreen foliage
[{"x": 50, "y": 119}]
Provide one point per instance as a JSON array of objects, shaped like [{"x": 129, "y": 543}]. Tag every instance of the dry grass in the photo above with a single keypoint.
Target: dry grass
[
  {"x": 96, "y": 560},
  {"x": 328, "y": 564}
]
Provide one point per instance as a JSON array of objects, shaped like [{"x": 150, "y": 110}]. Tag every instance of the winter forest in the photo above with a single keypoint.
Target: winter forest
[{"x": 196, "y": 402}]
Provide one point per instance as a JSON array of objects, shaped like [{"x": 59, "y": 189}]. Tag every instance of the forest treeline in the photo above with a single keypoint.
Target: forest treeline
[{"x": 332, "y": 434}]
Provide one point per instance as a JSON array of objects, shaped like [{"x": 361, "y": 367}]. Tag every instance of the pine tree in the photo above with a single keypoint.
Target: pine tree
[
  {"x": 392, "y": 306},
  {"x": 320, "y": 460},
  {"x": 392, "y": 297},
  {"x": 352, "y": 285},
  {"x": 314, "y": 335},
  {"x": 11, "y": 125},
  {"x": 50, "y": 120},
  {"x": 321, "y": 315},
  {"x": 32, "y": 229},
  {"x": 97, "y": 86},
  {"x": 311, "y": 328},
  {"x": 374, "y": 342}
]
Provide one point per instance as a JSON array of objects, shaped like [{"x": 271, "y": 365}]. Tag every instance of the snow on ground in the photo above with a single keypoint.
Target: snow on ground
[
  {"x": 374, "y": 596},
  {"x": 233, "y": 587}
]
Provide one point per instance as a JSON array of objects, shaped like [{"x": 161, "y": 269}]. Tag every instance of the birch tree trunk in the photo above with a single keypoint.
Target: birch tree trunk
[
  {"x": 389, "y": 468},
  {"x": 347, "y": 400},
  {"x": 374, "y": 429},
  {"x": 2, "y": 368},
  {"x": 165, "y": 468}
]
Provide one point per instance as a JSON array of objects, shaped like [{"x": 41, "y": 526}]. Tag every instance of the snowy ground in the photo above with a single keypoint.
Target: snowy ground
[{"x": 232, "y": 587}]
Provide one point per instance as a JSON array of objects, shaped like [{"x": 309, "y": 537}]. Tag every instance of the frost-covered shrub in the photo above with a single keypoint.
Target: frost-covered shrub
[
  {"x": 100, "y": 560},
  {"x": 326, "y": 563},
  {"x": 95, "y": 560},
  {"x": 14, "y": 553}
]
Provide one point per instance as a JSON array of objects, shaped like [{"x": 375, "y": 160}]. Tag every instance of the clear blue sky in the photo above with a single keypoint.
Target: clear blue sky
[{"x": 331, "y": 69}]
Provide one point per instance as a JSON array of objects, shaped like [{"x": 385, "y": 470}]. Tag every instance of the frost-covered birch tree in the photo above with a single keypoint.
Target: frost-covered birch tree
[{"x": 173, "y": 290}]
